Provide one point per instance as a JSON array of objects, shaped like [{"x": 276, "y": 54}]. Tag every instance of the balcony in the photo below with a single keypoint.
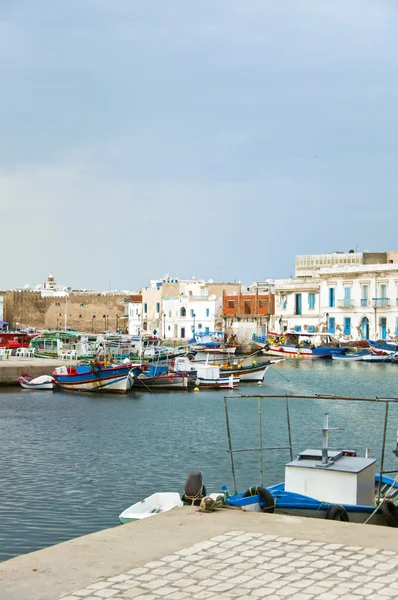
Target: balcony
[
  {"x": 364, "y": 302},
  {"x": 378, "y": 302},
  {"x": 345, "y": 303}
]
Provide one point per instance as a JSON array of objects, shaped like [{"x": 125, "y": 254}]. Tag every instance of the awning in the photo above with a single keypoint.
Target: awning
[{"x": 3, "y": 323}]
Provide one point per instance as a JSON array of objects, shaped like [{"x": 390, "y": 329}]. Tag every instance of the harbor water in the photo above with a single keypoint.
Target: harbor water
[{"x": 71, "y": 463}]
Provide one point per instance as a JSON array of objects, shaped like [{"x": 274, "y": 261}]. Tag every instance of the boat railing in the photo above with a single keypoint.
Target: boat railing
[{"x": 288, "y": 397}]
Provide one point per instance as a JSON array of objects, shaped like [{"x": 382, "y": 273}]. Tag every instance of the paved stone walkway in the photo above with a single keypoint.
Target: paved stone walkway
[{"x": 247, "y": 566}]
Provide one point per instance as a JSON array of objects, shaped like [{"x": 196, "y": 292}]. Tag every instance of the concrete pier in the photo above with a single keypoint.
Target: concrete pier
[
  {"x": 11, "y": 369},
  {"x": 185, "y": 554}
]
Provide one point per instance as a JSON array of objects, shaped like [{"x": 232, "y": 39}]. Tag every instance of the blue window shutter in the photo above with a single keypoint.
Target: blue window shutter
[
  {"x": 331, "y": 297},
  {"x": 332, "y": 325},
  {"x": 311, "y": 300},
  {"x": 347, "y": 326}
]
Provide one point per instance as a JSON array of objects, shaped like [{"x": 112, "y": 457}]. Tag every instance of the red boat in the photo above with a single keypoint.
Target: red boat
[{"x": 13, "y": 340}]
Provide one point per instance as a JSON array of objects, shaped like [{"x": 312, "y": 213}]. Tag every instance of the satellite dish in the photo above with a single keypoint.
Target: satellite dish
[
  {"x": 212, "y": 297},
  {"x": 210, "y": 281}
]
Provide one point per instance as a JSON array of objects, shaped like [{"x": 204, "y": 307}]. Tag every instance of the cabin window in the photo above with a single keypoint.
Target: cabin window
[
  {"x": 331, "y": 297},
  {"x": 347, "y": 326},
  {"x": 311, "y": 301}
]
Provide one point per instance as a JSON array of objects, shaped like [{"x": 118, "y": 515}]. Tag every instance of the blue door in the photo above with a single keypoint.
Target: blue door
[
  {"x": 298, "y": 304},
  {"x": 365, "y": 329},
  {"x": 347, "y": 296},
  {"x": 383, "y": 328},
  {"x": 332, "y": 325},
  {"x": 347, "y": 326}
]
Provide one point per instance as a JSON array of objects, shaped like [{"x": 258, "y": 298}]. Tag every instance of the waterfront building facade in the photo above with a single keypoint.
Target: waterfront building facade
[
  {"x": 352, "y": 295},
  {"x": 132, "y": 318},
  {"x": 250, "y": 310}
]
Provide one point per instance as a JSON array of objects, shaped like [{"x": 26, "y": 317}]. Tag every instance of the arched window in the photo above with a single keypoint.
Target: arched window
[{"x": 183, "y": 312}]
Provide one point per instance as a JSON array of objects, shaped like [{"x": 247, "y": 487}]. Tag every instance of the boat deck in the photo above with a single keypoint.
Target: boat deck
[{"x": 215, "y": 556}]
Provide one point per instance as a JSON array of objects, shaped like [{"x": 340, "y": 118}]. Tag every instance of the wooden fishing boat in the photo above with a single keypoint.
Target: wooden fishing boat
[
  {"x": 158, "y": 377},
  {"x": 95, "y": 377},
  {"x": 210, "y": 376},
  {"x": 151, "y": 506},
  {"x": 353, "y": 356},
  {"x": 43, "y": 382},
  {"x": 328, "y": 484},
  {"x": 383, "y": 347},
  {"x": 293, "y": 344}
]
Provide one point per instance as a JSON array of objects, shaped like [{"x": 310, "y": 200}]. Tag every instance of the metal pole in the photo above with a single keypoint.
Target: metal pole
[
  {"x": 383, "y": 449},
  {"x": 260, "y": 432},
  {"x": 289, "y": 428},
  {"x": 230, "y": 446}
]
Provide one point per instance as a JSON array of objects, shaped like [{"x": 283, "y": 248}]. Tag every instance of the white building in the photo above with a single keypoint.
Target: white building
[
  {"x": 185, "y": 315},
  {"x": 351, "y": 295},
  {"x": 133, "y": 314}
]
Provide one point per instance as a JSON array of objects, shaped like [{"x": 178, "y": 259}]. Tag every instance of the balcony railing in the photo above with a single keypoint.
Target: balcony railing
[
  {"x": 376, "y": 302},
  {"x": 364, "y": 302},
  {"x": 345, "y": 303}
]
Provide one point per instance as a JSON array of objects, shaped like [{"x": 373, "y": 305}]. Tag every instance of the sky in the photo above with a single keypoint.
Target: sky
[{"x": 215, "y": 139}]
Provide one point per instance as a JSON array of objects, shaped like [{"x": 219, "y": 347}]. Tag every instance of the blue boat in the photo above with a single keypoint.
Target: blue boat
[
  {"x": 331, "y": 484},
  {"x": 95, "y": 377}
]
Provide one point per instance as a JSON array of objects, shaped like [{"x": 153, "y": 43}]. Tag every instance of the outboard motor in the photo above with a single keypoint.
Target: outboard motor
[{"x": 194, "y": 490}]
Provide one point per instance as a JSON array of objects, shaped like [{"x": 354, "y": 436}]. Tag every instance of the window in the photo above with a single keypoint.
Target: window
[
  {"x": 347, "y": 296},
  {"x": 331, "y": 297},
  {"x": 183, "y": 313},
  {"x": 145, "y": 308},
  {"x": 80, "y": 316},
  {"x": 168, "y": 328},
  {"x": 284, "y": 302},
  {"x": 157, "y": 306},
  {"x": 182, "y": 333},
  {"x": 170, "y": 314},
  {"x": 311, "y": 329},
  {"x": 207, "y": 329},
  {"x": 298, "y": 304},
  {"x": 207, "y": 312},
  {"x": 347, "y": 326},
  {"x": 364, "y": 294},
  {"x": 200, "y": 326},
  {"x": 383, "y": 291},
  {"x": 82, "y": 305},
  {"x": 311, "y": 301},
  {"x": 231, "y": 303}
]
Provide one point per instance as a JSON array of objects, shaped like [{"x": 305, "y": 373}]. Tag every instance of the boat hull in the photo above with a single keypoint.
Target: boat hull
[
  {"x": 106, "y": 379},
  {"x": 247, "y": 374},
  {"x": 165, "y": 382},
  {"x": 151, "y": 506},
  {"x": 217, "y": 384}
]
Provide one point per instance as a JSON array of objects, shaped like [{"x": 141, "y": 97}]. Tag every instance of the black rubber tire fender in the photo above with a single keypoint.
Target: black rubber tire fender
[
  {"x": 265, "y": 496},
  {"x": 390, "y": 512},
  {"x": 337, "y": 513}
]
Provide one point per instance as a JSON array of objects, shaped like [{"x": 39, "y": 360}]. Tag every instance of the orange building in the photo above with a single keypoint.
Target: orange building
[{"x": 248, "y": 313}]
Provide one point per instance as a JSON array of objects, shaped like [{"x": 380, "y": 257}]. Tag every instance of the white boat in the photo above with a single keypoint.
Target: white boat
[
  {"x": 44, "y": 382},
  {"x": 153, "y": 505},
  {"x": 210, "y": 376}
]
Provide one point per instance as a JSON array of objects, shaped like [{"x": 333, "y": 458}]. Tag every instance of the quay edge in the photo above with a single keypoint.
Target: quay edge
[
  {"x": 70, "y": 566},
  {"x": 11, "y": 369}
]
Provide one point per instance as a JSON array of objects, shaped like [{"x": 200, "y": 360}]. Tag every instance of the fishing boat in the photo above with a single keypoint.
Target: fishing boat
[
  {"x": 212, "y": 342},
  {"x": 352, "y": 356},
  {"x": 94, "y": 377},
  {"x": 43, "y": 382},
  {"x": 210, "y": 377},
  {"x": 159, "y": 377},
  {"x": 251, "y": 373},
  {"x": 51, "y": 344},
  {"x": 293, "y": 344},
  {"x": 383, "y": 347},
  {"x": 153, "y": 505},
  {"x": 324, "y": 483}
]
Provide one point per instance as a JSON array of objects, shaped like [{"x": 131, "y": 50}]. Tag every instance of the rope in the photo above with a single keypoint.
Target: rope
[
  {"x": 209, "y": 505},
  {"x": 384, "y": 498}
]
